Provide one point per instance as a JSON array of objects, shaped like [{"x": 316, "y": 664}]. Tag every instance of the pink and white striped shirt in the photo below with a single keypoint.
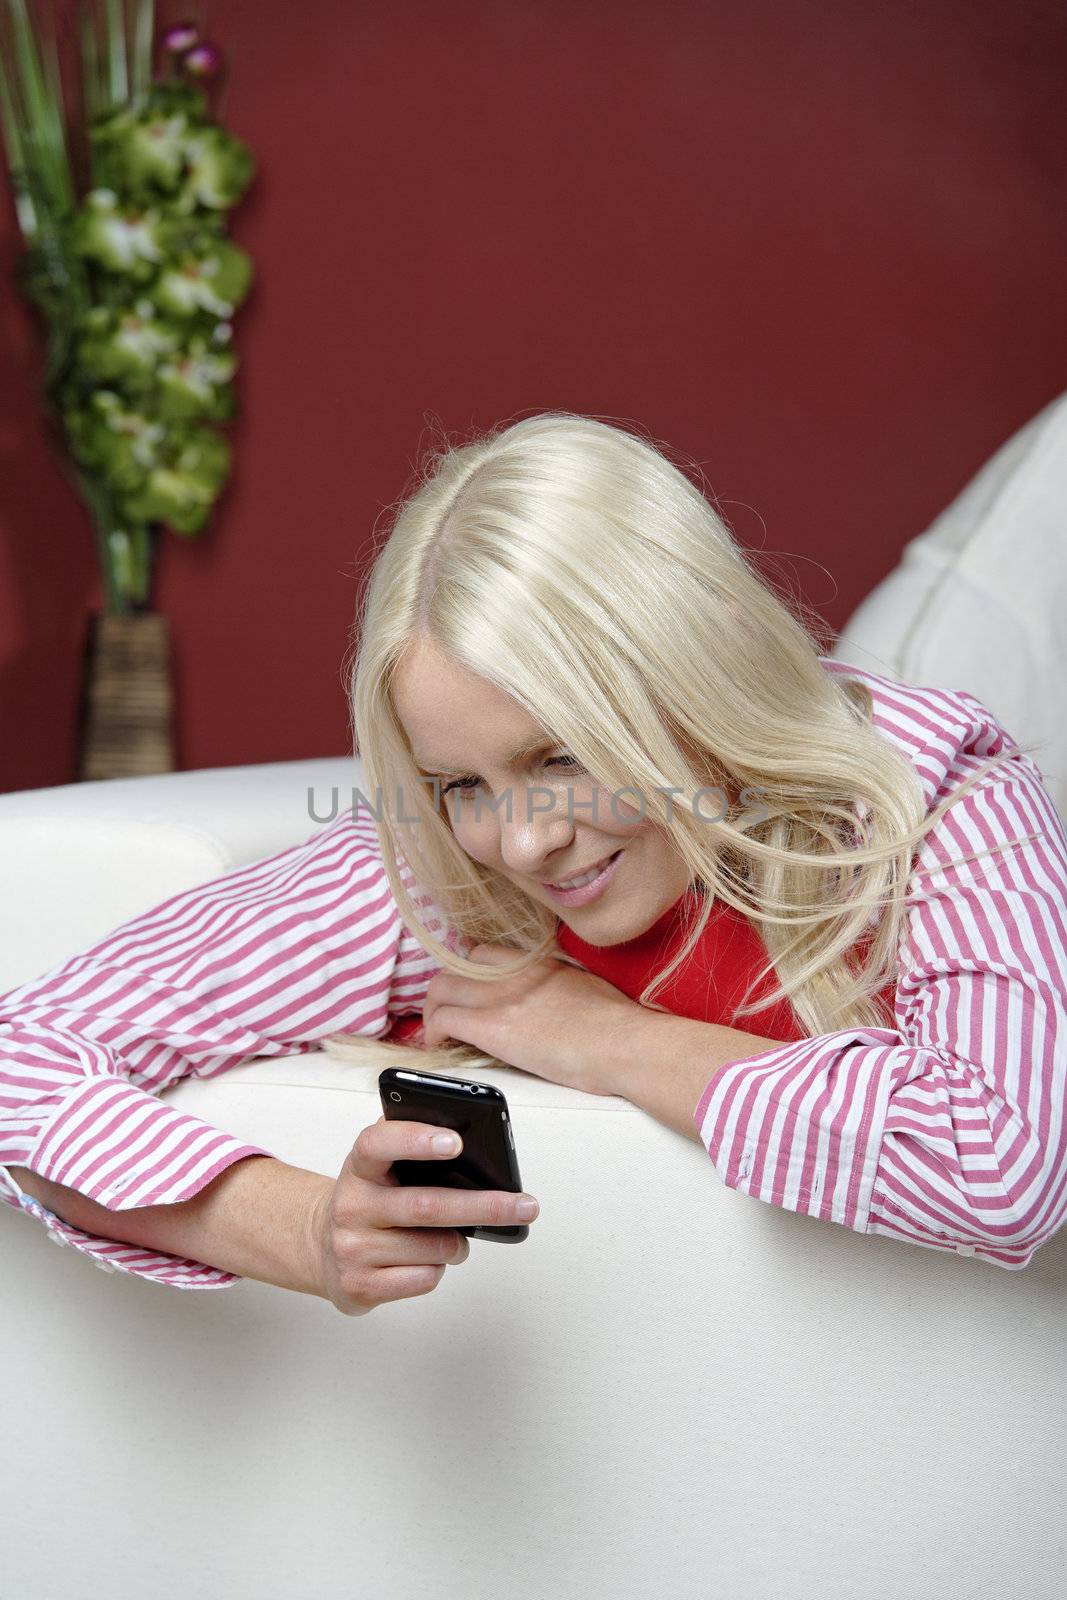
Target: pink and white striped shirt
[{"x": 946, "y": 1130}]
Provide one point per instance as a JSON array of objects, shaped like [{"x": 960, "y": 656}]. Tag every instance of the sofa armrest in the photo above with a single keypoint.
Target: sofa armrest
[{"x": 77, "y": 860}]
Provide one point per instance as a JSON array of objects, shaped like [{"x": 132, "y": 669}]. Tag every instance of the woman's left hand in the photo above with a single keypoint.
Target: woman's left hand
[{"x": 555, "y": 1020}]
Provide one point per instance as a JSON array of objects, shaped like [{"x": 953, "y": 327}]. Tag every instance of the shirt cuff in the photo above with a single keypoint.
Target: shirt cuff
[
  {"x": 113, "y": 1256},
  {"x": 123, "y": 1147},
  {"x": 801, "y": 1126}
]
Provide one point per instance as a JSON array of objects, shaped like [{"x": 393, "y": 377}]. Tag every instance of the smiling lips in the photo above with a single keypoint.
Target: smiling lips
[{"x": 580, "y": 877}]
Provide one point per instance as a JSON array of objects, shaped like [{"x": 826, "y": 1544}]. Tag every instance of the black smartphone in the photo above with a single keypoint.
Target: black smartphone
[{"x": 479, "y": 1114}]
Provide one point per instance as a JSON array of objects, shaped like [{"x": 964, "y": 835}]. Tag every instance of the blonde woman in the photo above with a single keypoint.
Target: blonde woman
[{"x": 819, "y": 921}]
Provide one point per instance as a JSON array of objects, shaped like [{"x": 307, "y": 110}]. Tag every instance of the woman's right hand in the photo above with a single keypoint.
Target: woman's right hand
[{"x": 377, "y": 1239}]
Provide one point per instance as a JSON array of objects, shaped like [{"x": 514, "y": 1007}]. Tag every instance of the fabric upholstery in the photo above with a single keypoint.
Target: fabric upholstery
[
  {"x": 667, "y": 1386},
  {"x": 979, "y": 600}
]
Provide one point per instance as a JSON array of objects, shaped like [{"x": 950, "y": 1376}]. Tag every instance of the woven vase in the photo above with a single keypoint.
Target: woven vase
[{"x": 127, "y": 707}]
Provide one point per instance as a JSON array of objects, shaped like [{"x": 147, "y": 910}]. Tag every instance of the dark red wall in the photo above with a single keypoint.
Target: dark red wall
[{"x": 819, "y": 247}]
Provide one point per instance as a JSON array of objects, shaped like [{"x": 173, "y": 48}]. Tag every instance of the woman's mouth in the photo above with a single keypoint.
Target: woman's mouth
[{"x": 588, "y": 884}]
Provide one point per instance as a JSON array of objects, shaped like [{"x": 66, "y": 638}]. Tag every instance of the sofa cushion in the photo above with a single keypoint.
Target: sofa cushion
[
  {"x": 251, "y": 811},
  {"x": 979, "y": 600},
  {"x": 79, "y": 859},
  {"x": 65, "y": 882}
]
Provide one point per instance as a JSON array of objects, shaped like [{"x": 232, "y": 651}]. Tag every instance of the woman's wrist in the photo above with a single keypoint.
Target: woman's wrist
[
  {"x": 670, "y": 1060},
  {"x": 258, "y": 1219}
]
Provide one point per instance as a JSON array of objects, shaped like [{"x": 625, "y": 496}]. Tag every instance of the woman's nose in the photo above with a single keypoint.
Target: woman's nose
[{"x": 533, "y": 835}]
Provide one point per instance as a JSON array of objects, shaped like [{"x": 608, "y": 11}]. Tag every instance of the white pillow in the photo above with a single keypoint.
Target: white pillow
[{"x": 979, "y": 601}]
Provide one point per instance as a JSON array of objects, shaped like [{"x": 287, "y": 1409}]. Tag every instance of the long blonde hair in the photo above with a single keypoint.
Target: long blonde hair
[{"x": 574, "y": 566}]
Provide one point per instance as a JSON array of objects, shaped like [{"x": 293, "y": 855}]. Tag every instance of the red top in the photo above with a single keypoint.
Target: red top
[
  {"x": 709, "y": 985},
  {"x": 706, "y": 988}
]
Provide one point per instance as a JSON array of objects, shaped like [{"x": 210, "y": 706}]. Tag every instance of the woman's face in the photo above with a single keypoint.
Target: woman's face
[{"x": 532, "y": 814}]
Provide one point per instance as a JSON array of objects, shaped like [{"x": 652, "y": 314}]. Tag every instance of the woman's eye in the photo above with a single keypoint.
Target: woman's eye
[{"x": 465, "y": 785}]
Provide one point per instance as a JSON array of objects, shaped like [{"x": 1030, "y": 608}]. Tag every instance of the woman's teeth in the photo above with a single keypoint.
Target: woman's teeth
[{"x": 587, "y": 877}]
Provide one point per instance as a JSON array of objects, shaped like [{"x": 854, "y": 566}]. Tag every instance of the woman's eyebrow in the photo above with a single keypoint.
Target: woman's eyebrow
[{"x": 541, "y": 742}]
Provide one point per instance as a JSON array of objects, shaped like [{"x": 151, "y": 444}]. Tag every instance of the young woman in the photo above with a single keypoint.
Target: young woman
[{"x": 621, "y": 826}]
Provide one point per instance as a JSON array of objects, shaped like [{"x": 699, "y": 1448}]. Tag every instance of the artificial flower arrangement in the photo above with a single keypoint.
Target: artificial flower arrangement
[
  {"x": 137, "y": 281},
  {"x": 137, "y": 284}
]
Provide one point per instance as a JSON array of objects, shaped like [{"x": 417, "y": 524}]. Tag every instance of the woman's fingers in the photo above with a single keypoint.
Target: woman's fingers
[
  {"x": 383, "y": 1142},
  {"x": 377, "y": 1239},
  {"x": 418, "y": 1207},
  {"x": 414, "y": 1247}
]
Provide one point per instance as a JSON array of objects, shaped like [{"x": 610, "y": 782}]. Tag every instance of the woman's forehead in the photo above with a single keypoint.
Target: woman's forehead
[{"x": 453, "y": 718}]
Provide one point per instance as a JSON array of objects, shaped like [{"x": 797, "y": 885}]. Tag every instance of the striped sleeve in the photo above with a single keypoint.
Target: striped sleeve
[
  {"x": 948, "y": 1129},
  {"x": 264, "y": 961}
]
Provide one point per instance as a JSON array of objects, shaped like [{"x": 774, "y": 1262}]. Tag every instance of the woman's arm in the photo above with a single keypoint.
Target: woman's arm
[
  {"x": 254, "y": 1220},
  {"x": 948, "y": 1130},
  {"x": 263, "y": 961},
  {"x": 668, "y": 1060}
]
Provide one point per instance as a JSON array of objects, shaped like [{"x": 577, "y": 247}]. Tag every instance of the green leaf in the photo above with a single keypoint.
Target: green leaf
[
  {"x": 9, "y": 121},
  {"x": 55, "y": 86},
  {"x": 142, "y": 47},
  {"x": 16, "y": 161},
  {"x": 92, "y": 86},
  {"x": 115, "y": 35},
  {"x": 43, "y": 139}
]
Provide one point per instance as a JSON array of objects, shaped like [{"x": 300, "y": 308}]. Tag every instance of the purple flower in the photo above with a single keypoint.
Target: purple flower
[
  {"x": 203, "y": 62},
  {"x": 180, "y": 38}
]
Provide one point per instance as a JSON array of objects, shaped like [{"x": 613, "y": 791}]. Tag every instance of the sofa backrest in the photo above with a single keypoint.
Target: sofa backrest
[{"x": 979, "y": 600}]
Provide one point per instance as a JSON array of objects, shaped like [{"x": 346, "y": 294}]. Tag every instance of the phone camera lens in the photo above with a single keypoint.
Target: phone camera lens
[{"x": 393, "y": 1095}]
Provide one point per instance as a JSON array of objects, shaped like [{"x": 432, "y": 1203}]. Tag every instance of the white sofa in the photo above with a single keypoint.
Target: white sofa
[
  {"x": 669, "y": 1388},
  {"x": 979, "y": 600}
]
